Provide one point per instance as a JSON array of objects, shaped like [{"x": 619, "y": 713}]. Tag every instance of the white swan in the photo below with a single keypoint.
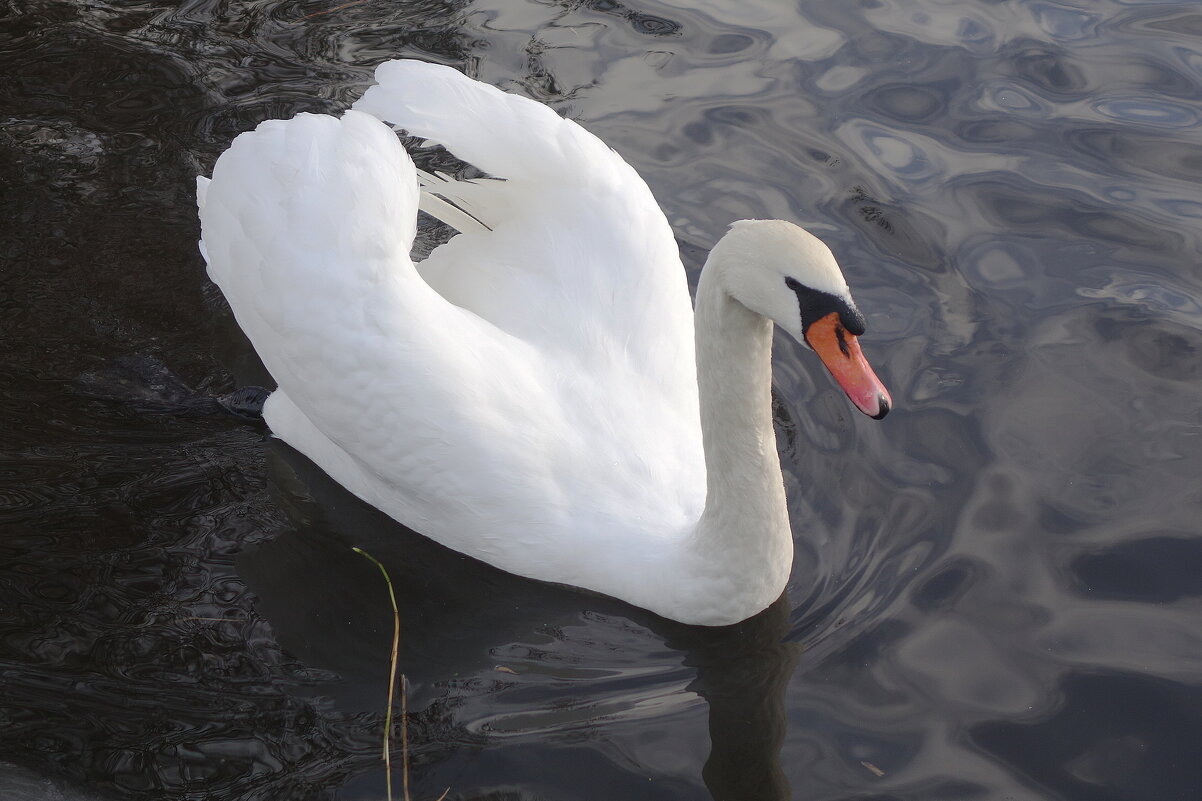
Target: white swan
[{"x": 530, "y": 394}]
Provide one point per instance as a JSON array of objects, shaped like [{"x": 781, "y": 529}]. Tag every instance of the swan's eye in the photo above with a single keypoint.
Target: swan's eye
[{"x": 815, "y": 304}]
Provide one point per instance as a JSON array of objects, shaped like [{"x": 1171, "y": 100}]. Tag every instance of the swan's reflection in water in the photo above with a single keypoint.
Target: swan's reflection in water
[
  {"x": 497, "y": 664},
  {"x": 742, "y": 673}
]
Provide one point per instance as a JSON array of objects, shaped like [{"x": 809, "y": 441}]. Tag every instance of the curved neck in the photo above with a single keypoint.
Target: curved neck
[{"x": 745, "y": 525}]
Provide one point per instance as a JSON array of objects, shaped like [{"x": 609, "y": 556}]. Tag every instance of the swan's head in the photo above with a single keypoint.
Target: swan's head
[{"x": 788, "y": 275}]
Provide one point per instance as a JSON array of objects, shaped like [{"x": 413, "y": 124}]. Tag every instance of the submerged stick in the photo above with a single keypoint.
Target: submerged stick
[
  {"x": 404, "y": 740},
  {"x": 396, "y": 641}
]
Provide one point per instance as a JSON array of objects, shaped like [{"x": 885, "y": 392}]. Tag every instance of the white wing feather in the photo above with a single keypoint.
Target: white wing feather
[{"x": 534, "y": 386}]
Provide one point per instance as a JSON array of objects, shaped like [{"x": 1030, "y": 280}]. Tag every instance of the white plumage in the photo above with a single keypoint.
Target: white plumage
[{"x": 528, "y": 394}]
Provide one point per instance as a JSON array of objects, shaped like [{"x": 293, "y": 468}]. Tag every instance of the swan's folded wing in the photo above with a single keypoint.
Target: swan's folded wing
[
  {"x": 309, "y": 216},
  {"x": 423, "y": 407},
  {"x": 579, "y": 258},
  {"x": 506, "y": 135},
  {"x": 306, "y": 228}
]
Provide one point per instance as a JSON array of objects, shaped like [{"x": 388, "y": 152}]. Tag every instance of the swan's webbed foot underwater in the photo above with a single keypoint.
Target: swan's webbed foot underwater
[
  {"x": 146, "y": 384},
  {"x": 245, "y": 402}
]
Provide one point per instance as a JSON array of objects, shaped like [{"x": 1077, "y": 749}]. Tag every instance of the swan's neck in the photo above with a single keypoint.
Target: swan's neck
[{"x": 744, "y": 530}]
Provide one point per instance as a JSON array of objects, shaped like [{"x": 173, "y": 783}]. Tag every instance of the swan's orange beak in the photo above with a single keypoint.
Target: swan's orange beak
[{"x": 840, "y": 352}]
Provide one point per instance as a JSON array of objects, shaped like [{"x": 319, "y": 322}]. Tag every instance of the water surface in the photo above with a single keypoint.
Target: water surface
[{"x": 996, "y": 593}]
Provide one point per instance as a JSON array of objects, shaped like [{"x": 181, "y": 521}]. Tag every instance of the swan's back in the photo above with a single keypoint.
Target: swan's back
[{"x": 533, "y": 389}]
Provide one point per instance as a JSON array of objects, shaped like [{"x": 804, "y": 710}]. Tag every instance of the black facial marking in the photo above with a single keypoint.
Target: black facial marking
[{"x": 814, "y": 305}]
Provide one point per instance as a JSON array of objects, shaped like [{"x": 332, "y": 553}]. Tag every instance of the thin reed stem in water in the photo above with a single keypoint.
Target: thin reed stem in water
[{"x": 396, "y": 641}]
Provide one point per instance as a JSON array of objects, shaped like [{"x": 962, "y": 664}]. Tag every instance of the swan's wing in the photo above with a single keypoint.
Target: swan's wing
[
  {"x": 579, "y": 258},
  {"x": 423, "y": 408},
  {"x": 307, "y": 226}
]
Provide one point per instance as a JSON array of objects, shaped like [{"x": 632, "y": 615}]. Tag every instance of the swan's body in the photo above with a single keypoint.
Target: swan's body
[{"x": 529, "y": 394}]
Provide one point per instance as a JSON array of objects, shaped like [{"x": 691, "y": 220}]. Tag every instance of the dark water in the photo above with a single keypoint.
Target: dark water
[{"x": 1007, "y": 600}]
